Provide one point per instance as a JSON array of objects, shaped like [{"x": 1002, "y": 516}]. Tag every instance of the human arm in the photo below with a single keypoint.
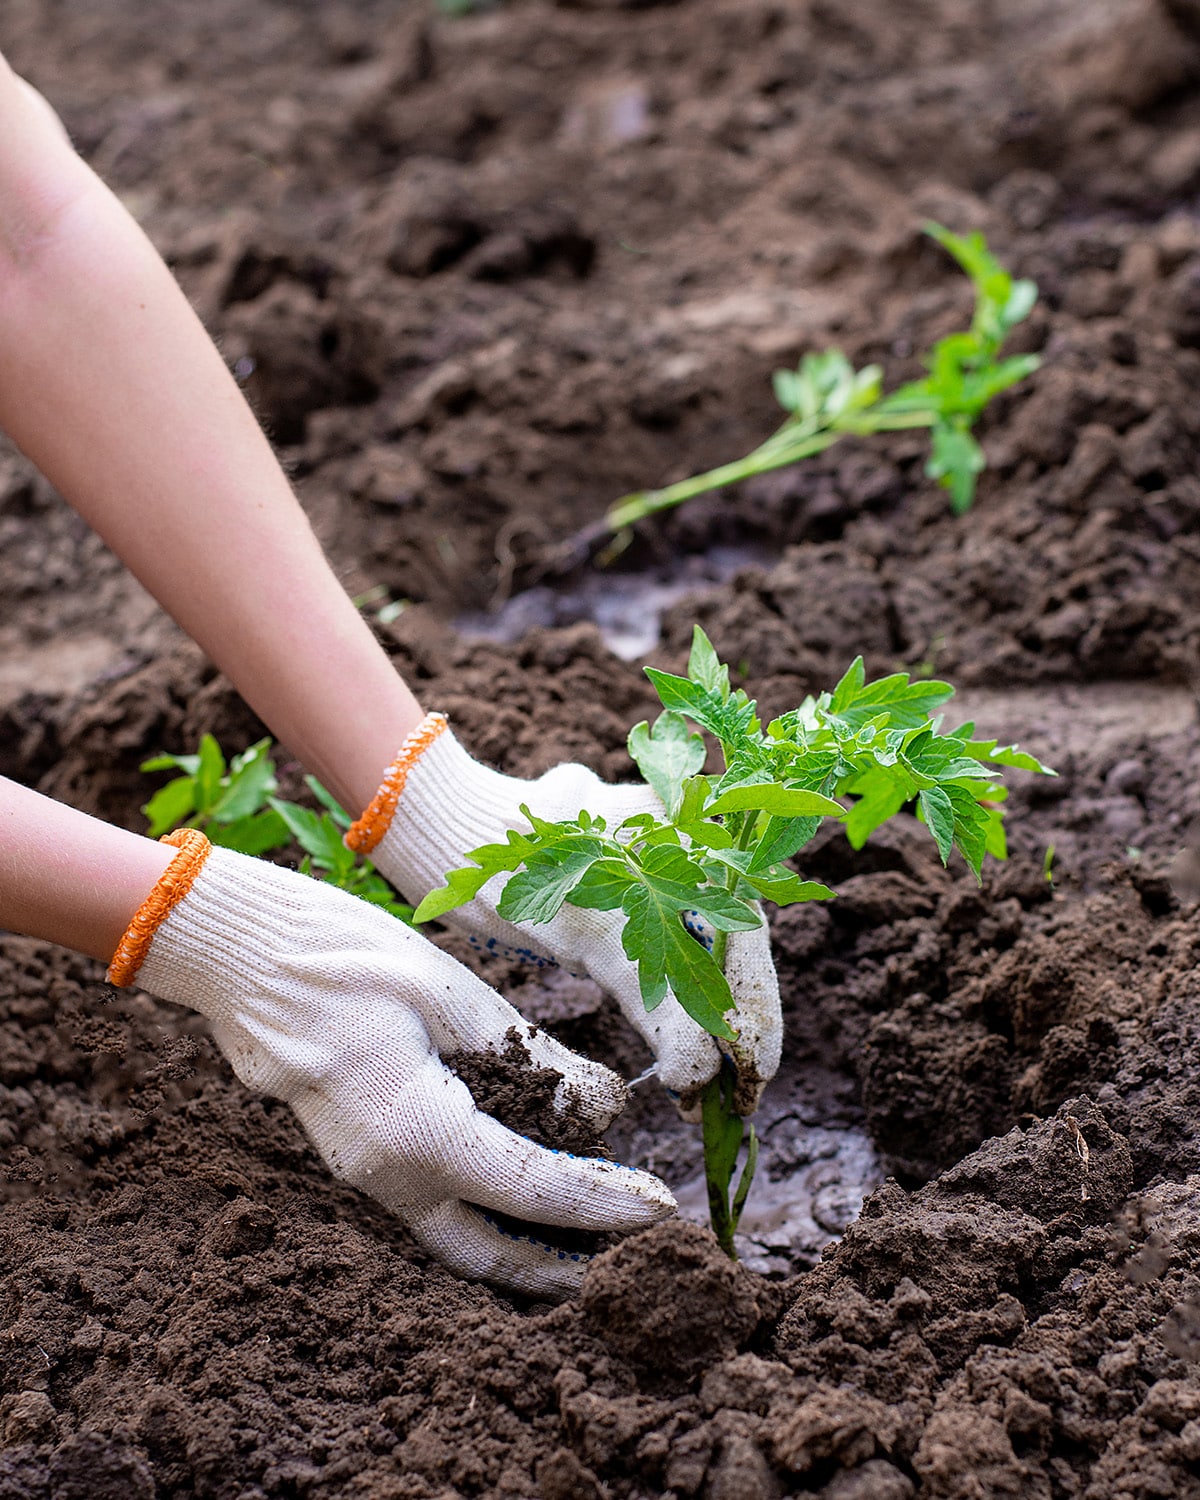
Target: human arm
[
  {"x": 142, "y": 428},
  {"x": 110, "y": 385},
  {"x": 332, "y": 1005}
]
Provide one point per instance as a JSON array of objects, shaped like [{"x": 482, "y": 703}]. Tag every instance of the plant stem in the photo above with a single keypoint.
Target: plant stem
[{"x": 787, "y": 445}]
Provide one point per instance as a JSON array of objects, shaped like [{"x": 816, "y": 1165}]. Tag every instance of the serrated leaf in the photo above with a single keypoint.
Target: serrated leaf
[
  {"x": 906, "y": 704},
  {"x": 677, "y": 692},
  {"x": 697, "y": 982},
  {"x": 603, "y": 886},
  {"x": 782, "y": 838},
  {"x": 785, "y": 889},
  {"x": 464, "y": 884},
  {"x": 667, "y": 755},
  {"x": 849, "y": 686},
  {"x": 537, "y": 893},
  {"x": 461, "y": 887},
  {"x": 1006, "y": 755},
  {"x": 938, "y": 812},
  {"x": 705, "y": 667},
  {"x": 728, "y": 720},
  {"x": 881, "y": 796},
  {"x": 779, "y": 801}
]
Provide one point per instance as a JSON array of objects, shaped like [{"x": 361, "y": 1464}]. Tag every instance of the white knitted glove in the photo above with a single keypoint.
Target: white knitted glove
[
  {"x": 447, "y": 803},
  {"x": 329, "y": 1003}
]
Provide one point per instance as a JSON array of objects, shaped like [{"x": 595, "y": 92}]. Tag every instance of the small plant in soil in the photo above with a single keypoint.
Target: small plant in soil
[
  {"x": 684, "y": 881},
  {"x": 234, "y": 803},
  {"x": 826, "y": 399}
]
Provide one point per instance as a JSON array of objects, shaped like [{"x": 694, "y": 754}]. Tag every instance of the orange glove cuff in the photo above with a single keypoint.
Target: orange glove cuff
[
  {"x": 365, "y": 833},
  {"x": 172, "y": 886}
]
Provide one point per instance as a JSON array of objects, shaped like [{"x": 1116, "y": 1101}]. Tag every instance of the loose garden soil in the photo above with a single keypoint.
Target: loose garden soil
[{"x": 480, "y": 276}]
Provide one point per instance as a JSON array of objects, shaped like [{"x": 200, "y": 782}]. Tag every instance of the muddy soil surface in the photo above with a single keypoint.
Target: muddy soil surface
[{"x": 480, "y": 276}]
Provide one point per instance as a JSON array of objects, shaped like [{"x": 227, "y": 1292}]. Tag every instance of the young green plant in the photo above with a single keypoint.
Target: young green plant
[
  {"x": 234, "y": 803},
  {"x": 826, "y": 399},
  {"x": 683, "y": 881}
]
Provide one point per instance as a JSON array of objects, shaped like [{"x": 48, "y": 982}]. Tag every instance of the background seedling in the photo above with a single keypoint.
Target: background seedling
[
  {"x": 827, "y": 399},
  {"x": 858, "y": 754},
  {"x": 234, "y": 803}
]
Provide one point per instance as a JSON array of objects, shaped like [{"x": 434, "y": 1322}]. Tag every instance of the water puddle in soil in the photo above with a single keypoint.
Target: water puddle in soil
[
  {"x": 816, "y": 1164},
  {"x": 625, "y": 607},
  {"x": 811, "y": 1183}
]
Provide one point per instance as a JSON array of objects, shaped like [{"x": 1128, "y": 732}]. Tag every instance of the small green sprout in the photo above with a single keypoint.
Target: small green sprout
[
  {"x": 827, "y": 399},
  {"x": 857, "y": 755},
  {"x": 235, "y": 805}
]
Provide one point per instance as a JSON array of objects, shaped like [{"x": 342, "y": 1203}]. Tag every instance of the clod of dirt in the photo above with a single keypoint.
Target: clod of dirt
[
  {"x": 670, "y": 1300},
  {"x": 244, "y": 1228},
  {"x": 511, "y": 1088}
]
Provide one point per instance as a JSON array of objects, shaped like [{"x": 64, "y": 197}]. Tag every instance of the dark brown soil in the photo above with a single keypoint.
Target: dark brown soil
[
  {"x": 480, "y": 276},
  {"x": 512, "y": 1087}
]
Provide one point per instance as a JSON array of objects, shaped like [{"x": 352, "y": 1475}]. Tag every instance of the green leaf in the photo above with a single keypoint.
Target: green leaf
[
  {"x": 331, "y": 804},
  {"x": 461, "y": 887},
  {"x": 257, "y": 833},
  {"x": 705, "y": 667},
  {"x": 189, "y": 764},
  {"x": 938, "y": 812},
  {"x": 971, "y": 823},
  {"x": 1005, "y": 755},
  {"x": 849, "y": 687},
  {"x": 603, "y": 886},
  {"x": 250, "y": 782},
  {"x": 786, "y": 889},
  {"x": 315, "y": 834},
  {"x": 678, "y": 692},
  {"x": 465, "y": 884},
  {"x": 786, "y": 385},
  {"x": 656, "y": 940},
  {"x": 780, "y": 839},
  {"x": 882, "y": 796},
  {"x": 779, "y": 801},
  {"x": 728, "y": 719},
  {"x": 907, "y": 704},
  {"x": 697, "y": 982},
  {"x": 209, "y": 771},
  {"x": 536, "y": 893},
  {"x": 170, "y": 805},
  {"x": 667, "y": 755},
  {"x": 955, "y": 461}
]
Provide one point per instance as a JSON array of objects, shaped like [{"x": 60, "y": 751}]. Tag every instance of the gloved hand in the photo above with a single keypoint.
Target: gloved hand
[
  {"x": 332, "y": 1005},
  {"x": 436, "y": 803}
]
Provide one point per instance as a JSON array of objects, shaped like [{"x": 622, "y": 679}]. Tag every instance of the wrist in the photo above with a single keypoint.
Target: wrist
[
  {"x": 436, "y": 802},
  {"x": 69, "y": 878}
]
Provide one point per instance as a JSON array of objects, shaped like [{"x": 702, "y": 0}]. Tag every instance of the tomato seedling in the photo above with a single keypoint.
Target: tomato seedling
[
  {"x": 827, "y": 399},
  {"x": 235, "y": 804},
  {"x": 858, "y": 754}
]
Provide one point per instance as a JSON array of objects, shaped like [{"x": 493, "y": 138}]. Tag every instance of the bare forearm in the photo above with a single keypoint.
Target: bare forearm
[
  {"x": 109, "y": 383},
  {"x": 69, "y": 878}
]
